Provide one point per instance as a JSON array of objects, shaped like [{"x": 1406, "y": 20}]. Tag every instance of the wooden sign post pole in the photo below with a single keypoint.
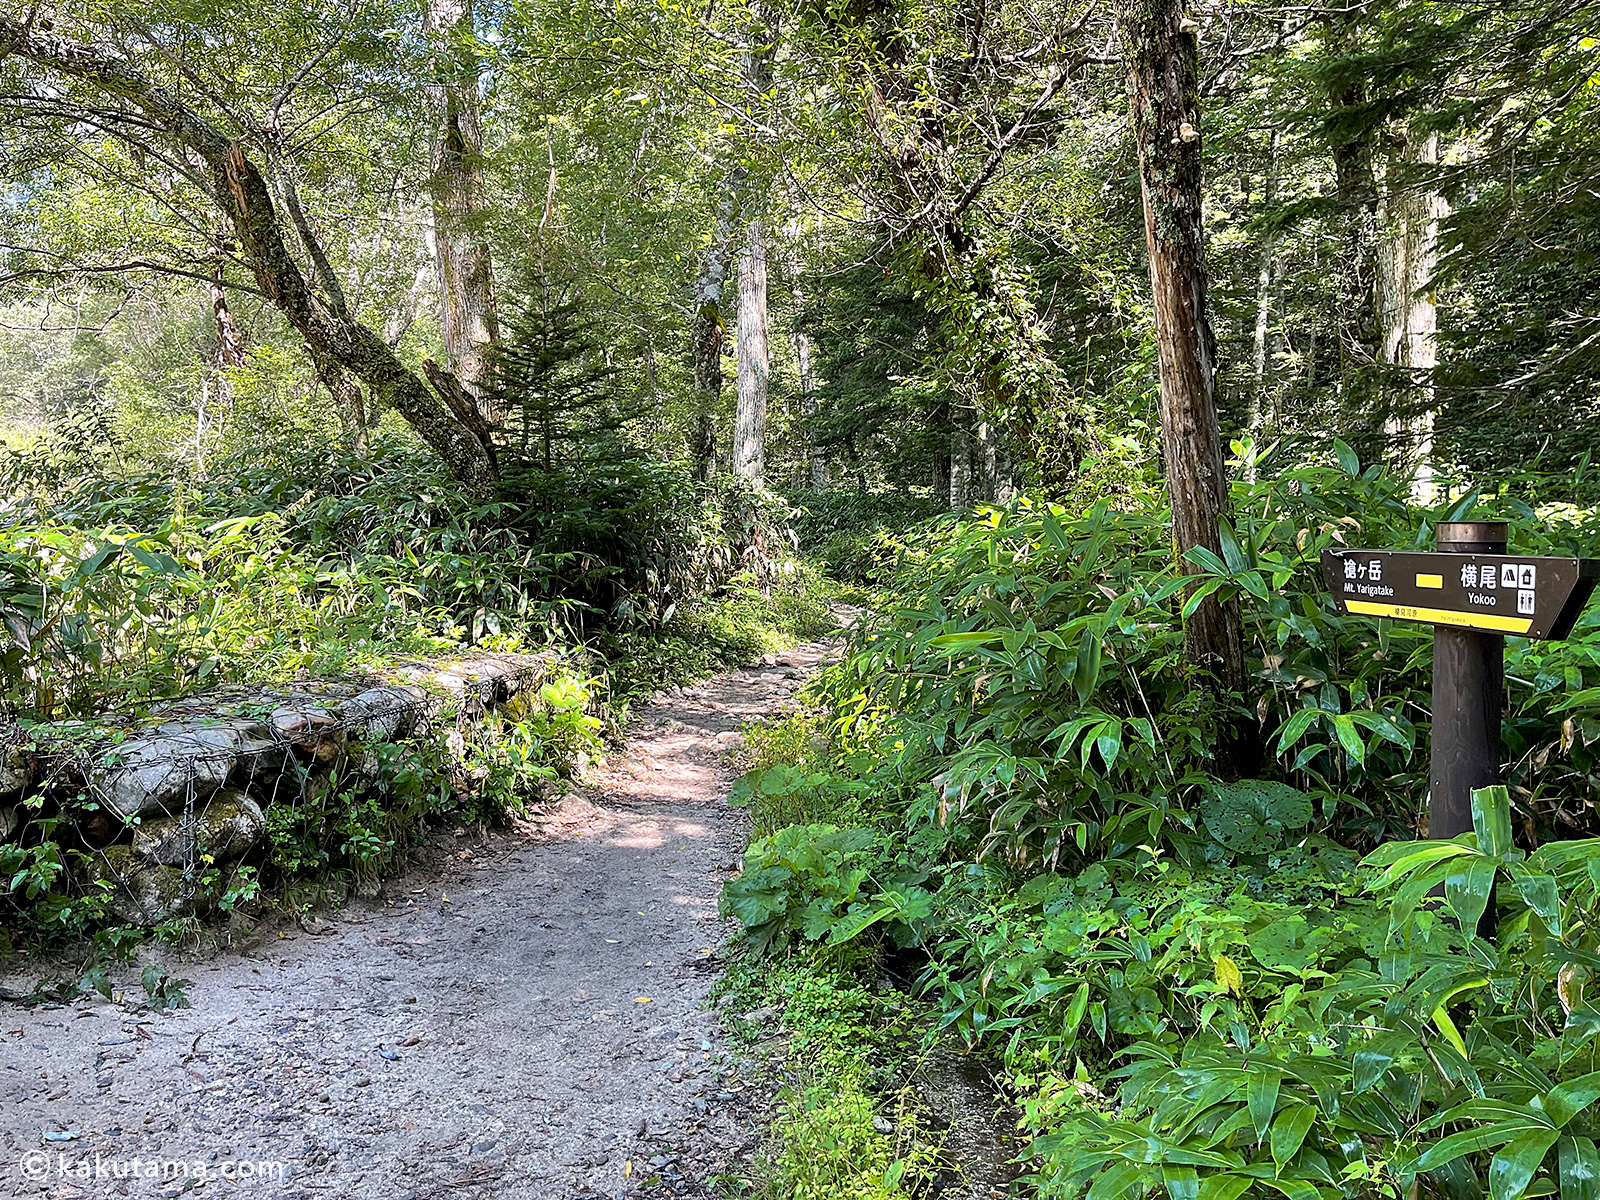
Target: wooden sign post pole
[
  {"x": 1474, "y": 594},
  {"x": 1468, "y": 691}
]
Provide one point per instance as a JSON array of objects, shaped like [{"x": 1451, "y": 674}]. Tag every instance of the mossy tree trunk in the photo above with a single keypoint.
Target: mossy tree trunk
[{"x": 470, "y": 326}]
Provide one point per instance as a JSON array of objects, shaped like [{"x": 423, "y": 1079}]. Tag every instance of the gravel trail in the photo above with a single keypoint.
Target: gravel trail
[{"x": 526, "y": 1021}]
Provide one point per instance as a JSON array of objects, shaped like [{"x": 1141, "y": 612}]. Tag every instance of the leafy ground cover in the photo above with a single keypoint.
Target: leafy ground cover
[
  {"x": 1195, "y": 984},
  {"x": 124, "y": 589}
]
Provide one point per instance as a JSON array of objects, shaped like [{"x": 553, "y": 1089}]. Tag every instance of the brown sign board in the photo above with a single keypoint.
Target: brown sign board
[{"x": 1501, "y": 593}]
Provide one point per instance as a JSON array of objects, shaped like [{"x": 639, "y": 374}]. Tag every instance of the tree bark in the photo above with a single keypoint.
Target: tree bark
[
  {"x": 960, "y": 467},
  {"x": 1408, "y": 313},
  {"x": 808, "y": 386},
  {"x": 1163, "y": 84},
  {"x": 1264, "y": 274},
  {"x": 461, "y": 253},
  {"x": 1358, "y": 195},
  {"x": 708, "y": 333},
  {"x": 230, "y": 338},
  {"x": 750, "y": 384},
  {"x": 754, "y": 362},
  {"x": 237, "y": 187}
]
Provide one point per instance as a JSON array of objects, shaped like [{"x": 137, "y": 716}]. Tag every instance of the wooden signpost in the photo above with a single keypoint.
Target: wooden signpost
[{"x": 1474, "y": 594}]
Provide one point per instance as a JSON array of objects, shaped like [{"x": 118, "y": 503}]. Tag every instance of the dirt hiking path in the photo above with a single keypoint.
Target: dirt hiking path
[{"x": 526, "y": 1023}]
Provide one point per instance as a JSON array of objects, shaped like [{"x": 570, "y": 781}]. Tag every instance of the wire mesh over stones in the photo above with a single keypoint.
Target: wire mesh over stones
[
  {"x": 229, "y": 825},
  {"x": 187, "y": 786},
  {"x": 165, "y": 770}
]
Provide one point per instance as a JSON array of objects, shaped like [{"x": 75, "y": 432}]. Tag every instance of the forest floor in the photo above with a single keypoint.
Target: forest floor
[{"x": 526, "y": 1019}]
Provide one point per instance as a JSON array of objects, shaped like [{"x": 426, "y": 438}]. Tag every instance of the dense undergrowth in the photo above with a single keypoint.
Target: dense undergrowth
[
  {"x": 121, "y": 588},
  {"x": 1198, "y": 986},
  {"x": 126, "y": 587}
]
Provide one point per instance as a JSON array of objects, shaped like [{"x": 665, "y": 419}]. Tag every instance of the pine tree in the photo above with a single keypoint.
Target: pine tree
[{"x": 555, "y": 390}]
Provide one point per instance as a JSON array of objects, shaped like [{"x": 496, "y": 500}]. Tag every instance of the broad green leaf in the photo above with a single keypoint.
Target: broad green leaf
[
  {"x": 1429, "y": 853},
  {"x": 1289, "y": 1130},
  {"x": 1567, "y": 1100},
  {"x": 1513, "y": 1168},
  {"x": 1262, "y": 1095},
  {"x": 1539, "y": 893},
  {"x": 1223, "y": 1186},
  {"x": 1369, "y": 1064},
  {"x": 1116, "y": 1182},
  {"x": 1579, "y": 1169},
  {"x": 1348, "y": 459},
  {"x": 1344, "y": 727},
  {"x": 1475, "y": 1141},
  {"x": 1182, "y": 1183},
  {"x": 1467, "y": 888},
  {"x": 1206, "y": 559},
  {"x": 1491, "y": 820},
  {"x": 1087, "y": 675},
  {"x": 1076, "y": 1009},
  {"x": 1295, "y": 727}
]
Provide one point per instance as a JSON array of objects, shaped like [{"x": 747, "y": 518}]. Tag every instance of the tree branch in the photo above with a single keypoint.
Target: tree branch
[{"x": 245, "y": 199}]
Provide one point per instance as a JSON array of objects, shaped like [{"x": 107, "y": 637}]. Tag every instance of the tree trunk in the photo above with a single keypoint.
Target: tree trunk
[
  {"x": 708, "y": 333},
  {"x": 960, "y": 467},
  {"x": 754, "y": 363},
  {"x": 750, "y": 421},
  {"x": 941, "y": 473},
  {"x": 461, "y": 253},
  {"x": 1407, "y": 310},
  {"x": 986, "y": 463},
  {"x": 1358, "y": 195},
  {"x": 808, "y": 385},
  {"x": 1264, "y": 273},
  {"x": 1163, "y": 82},
  {"x": 238, "y": 189}
]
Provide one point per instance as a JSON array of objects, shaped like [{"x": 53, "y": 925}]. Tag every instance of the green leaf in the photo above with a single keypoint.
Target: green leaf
[
  {"x": 1232, "y": 555},
  {"x": 1182, "y": 1183},
  {"x": 1348, "y": 459},
  {"x": 1206, "y": 560},
  {"x": 1467, "y": 888},
  {"x": 1475, "y": 1141},
  {"x": 1491, "y": 819},
  {"x": 1254, "y": 816},
  {"x": 1076, "y": 1009},
  {"x": 1567, "y": 1100},
  {"x": 1263, "y": 1099},
  {"x": 1296, "y": 727},
  {"x": 1224, "y": 1186},
  {"x": 1369, "y": 1065},
  {"x": 1579, "y": 1169},
  {"x": 1087, "y": 674},
  {"x": 1350, "y": 737},
  {"x": 1198, "y": 596},
  {"x": 1425, "y": 855},
  {"x": 1118, "y": 1181},
  {"x": 1289, "y": 1131},
  {"x": 1511, "y": 1170},
  {"x": 1540, "y": 894}
]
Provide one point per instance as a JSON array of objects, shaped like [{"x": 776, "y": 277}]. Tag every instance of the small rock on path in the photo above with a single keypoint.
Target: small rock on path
[{"x": 528, "y": 1022}]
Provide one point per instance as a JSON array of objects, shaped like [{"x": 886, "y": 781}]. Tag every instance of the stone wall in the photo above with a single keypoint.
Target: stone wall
[{"x": 195, "y": 777}]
